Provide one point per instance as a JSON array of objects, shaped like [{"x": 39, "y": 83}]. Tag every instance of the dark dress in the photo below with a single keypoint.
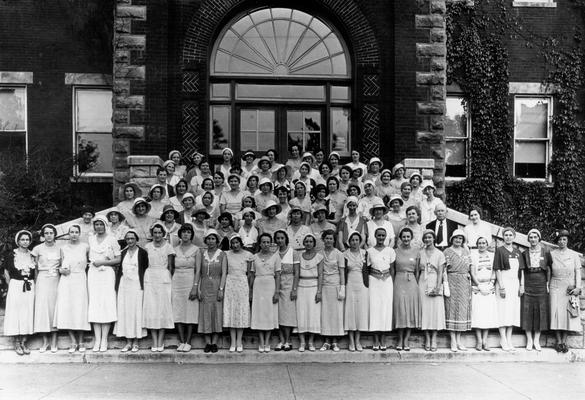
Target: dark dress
[
  {"x": 210, "y": 309},
  {"x": 458, "y": 305},
  {"x": 535, "y": 309}
]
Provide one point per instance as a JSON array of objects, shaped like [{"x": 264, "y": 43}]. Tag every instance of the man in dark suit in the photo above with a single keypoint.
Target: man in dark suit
[{"x": 442, "y": 227}]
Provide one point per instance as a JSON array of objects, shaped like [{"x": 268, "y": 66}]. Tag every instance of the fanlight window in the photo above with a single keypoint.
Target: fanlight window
[{"x": 280, "y": 42}]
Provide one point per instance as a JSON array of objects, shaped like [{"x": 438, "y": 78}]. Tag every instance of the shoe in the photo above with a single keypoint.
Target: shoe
[
  {"x": 351, "y": 347},
  {"x": 302, "y": 347},
  {"x": 103, "y": 349},
  {"x": 240, "y": 349},
  {"x": 25, "y": 349},
  {"x": 73, "y": 347},
  {"x": 43, "y": 348},
  {"x": 311, "y": 347},
  {"x": 287, "y": 347},
  {"x": 267, "y": 349},
  {"x": 478, "y": 347},
  {"x": 461, "y": 347},
  {"x": 126, "y": 348},
  {"x": 214, "y": 348},
  {"x": 279, "y": 346},
  {"x": 383, "y": 348},
  {"x": 260, "y": 349},
  {"x": 181, "y": 347},
  {"x": 232, "y": 349},
  {"x": 161, "y": 348},
  {"x": 565, "y": 348},
  {"x": 18, "y": 348},
  {"x": 359, "y": 347},
  {"x": 96, "y": 348},
  {"x": 335, "y": 347},
  {"x": 486, "y": 347},
  {"x": 537, "y": 347},
  {"x": 326, "y": 346},
  {"x": 427, "y": 348},
  {"x": 187, "y": 348},
  {"x": 406, "y": 348},
  {"x": 207, "y": 348},
  {"x": 54, "y": 349},
  {"x": 454, "y": 349},
  {"x": 433, "y": 349},
  {"x": 398, "y": 348},
  {"x": 81, "y": 348},
  {"x": 154, "y": 349},
  {"x": 135, "y": 348},
  {"x": 376, "y": 348}
]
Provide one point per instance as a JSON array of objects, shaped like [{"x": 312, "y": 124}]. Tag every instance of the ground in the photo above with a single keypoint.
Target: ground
[{"x": 475, "y": 381}]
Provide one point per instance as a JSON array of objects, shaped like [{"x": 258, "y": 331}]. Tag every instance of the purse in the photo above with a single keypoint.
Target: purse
[
  {"x": 366, "y": 272},
  {"x": 573, "y": 306}
]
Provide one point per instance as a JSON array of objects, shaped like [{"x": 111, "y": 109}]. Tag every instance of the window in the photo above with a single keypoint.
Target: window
[
  {"x": 534, "y": 3},
  {"x": 279, "y": 77},
  {"x": 93, "y": 131},
  {"x": 532, "y": 136},
  {"x": 13, "y": 120},
  {"x": 457, "y": 137}
]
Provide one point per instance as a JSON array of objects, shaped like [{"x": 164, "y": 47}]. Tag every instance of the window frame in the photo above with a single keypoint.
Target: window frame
[
  {"x": 25, "y": 131},
  {"x": 76, "y": 173},
  {"x": 548, "y": 140},
  {"x": 467, "y": 140}
]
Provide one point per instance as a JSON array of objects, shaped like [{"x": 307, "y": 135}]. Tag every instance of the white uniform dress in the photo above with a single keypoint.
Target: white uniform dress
[
  {"x": 484, "y": 307},
  {"x": 101, "y": 280},
  {"x": 381, "y": 289},
  {"x": 157, "y": 310},
  {"x": 48, "y": 260},
  {"x": 185, "y": 311},
  {"x": 129, "y": 324}
]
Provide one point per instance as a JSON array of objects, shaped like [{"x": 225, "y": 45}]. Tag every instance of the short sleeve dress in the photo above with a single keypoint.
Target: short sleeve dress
[
  {"x": 308, "y": 311},
  {"x": 72, "y": 296},
  {"x": 20, "y": 300},
  {"x": 101, "y": 280},
  {"x": 157, "y": 310},
  {"x": 210, "y": 309},
  {"x": 185, "y": 311},
  {"x": 508, "y": 262},
  {"x": 331, "y": 307},
  {"x": 484, "y": 308},
  {"x": 48, "y": 260},
  {"x": 458, "y": 304},
  {"x": 264, "y": 311},
  {"x": 236, "y": 305},
  {"x": 296, "y": 236},
  {"x": 381, "y": 288},
  {"x": 564, "y": 265},
  {"x": 287, "y": 308},
  {"x": 357, "y": 298},
  {"x": 406, "y": 303},
  {"x": 432, "y": 307}
]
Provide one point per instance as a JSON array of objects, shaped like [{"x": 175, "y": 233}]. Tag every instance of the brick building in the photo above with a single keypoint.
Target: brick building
[{"x": 102, "y": 80}]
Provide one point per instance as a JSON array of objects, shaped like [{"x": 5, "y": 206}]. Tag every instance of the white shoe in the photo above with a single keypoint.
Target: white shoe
[
  {"x": 261, "y": 349},
  {"x": 181, "y": 347},
  {"x": 232, "y": 349},
  {"x": 186, "y": 348},
  {"x": 267, "y": 349}
]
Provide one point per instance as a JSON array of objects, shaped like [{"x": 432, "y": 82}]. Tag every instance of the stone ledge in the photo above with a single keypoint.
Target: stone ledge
[
  {"x": 429, "y": 137},
  {"x": 418, "y": 163},
  {"x": 430, "y": 108},
  {"x": 128, "y": 132},
  {"x": 16, "y": 77},
  {"x": 88, "y": 79},
  {"x": 429, "y": 21},
  {"x": 127, "y": 11},
  {"x": 431, "y": 50},
  {"x": 145, "y": 160}
]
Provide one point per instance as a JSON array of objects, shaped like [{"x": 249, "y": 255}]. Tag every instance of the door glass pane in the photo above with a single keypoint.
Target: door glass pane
[
  {"x": 304, "y": 129},
  {"x": 455, "y": 118},
  {"x": 13, "y": 109},
  {"x": 257, "y": 129},
  {"x": 280, "y": 92},
  {"x": 340, "y": 130},
  {"x": 220, "y": 128},
  {"x": 531, "y": 116},
  {"x": 340, "y": 94},
  {"x": 220, "y": 91}
]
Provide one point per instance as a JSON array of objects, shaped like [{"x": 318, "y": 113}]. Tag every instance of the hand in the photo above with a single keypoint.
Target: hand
[
  {"x": 521, "y": 290},
  {"x": 64, "y": 271},
  {"x": 293, "y": 295},
  {"x": 97, "y": 263},
  {"x": 502, "y": 293},
  {"x": 275, "y": 298},
  {"x": 199, "y": 295},
  {"x": 318, "y": 297},
  {"x": 547, "y": 288},
  {"x": 475, "y": 290},
  {"x": 575, "y": 292},
  {"x": 219, "y": 295},
  {"x": 193, "y": 293},
  {"x": 341, "y": 293}
]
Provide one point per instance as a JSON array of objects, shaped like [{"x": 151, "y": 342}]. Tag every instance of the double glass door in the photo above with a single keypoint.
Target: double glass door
[{"x": 259, "y": 128}]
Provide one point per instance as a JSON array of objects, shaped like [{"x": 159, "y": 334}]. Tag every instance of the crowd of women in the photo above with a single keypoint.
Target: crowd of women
[{"x": 310, "y": 246}]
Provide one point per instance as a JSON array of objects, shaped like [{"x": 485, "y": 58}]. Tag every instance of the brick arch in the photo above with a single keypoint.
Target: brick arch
[{"x": 211, "y": 14}]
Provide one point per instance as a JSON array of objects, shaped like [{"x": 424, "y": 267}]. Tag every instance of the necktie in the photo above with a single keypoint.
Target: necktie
[{"x": 440, "y": 233}]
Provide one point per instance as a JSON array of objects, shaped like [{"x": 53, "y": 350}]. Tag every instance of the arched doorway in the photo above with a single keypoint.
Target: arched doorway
[{"x": 278, "y": 77}]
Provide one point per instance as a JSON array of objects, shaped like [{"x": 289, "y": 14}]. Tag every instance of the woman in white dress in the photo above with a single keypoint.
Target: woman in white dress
[
  {"x": 484, "y": 308},
  {"x": 506, "y": 264},
  {"x": 130, "y": 191},
  {"x": 130, "y": 287},
  {"x": 357, "y": 302},
  {"x": 48, "y": 258},
  {"x": 381, "y": 258},
  {"x": 478, "y": 228},
  {"x": 377, "y": 212},
  {"x": 104, "y": 256},
  {"x": 72, "y": 297},
  {"x": 157, "y": 311},
  {"x": 428, "y": 204}
]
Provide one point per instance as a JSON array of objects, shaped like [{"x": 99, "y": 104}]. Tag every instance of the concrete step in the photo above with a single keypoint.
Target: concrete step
[{"x": 249, "y": 356}]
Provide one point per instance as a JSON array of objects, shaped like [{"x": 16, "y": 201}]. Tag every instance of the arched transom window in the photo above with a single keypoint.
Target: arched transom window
[{"x": 280, "y": 77}]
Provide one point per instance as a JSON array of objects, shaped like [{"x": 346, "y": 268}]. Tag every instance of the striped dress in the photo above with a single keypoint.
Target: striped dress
[{"x": 458, "y": 305}]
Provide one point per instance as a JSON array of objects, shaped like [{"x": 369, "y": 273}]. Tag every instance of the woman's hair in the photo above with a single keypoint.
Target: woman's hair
[
  {"x": 328, "y": 232},
  {"x": 186, "y": 228},
  {"x": 282, "y": 232},
  {"x": 220, "y": 174},
  {"x": 405, "y": 229},
  {"x": 251, "y": 198},
  {"x": 417, "y": 211},
  {"x": 228, "y": 216},
  {"x": 264, "y": 235},
  {"x": 325, "y": 163},
  {"x": 274, "y": 151}
]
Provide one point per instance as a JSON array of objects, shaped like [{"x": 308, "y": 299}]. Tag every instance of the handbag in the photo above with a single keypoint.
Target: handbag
[
  {"x": 446, "y": 289},
  {"x": 573, "y": 306},
  {"x": 366, "y": 272}
]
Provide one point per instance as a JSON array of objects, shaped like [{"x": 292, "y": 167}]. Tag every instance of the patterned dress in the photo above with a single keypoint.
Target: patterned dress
[
  {"x": 331, "y": 306},
  {"x": 236, "y": 305},
  {"x": 357, "y": 300},
  {"x": 287, "y": 309},
  {"x": 565, "y": 264},
  {"x": 210, "y": 309},
  {"x": 406, "y": 304},
  {"x": 458, "y": 305}
]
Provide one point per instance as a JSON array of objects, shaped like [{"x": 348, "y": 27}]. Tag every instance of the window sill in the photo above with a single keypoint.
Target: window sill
[
  {"x": 534, "y": 4},
  {"x": 92, "y": 179},
  {"x": 545, "y": 181},
  {"x": 451, "y": 180}
]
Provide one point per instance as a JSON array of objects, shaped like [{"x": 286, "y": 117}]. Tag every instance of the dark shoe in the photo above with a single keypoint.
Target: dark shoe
[
  {"x": 25, "y": 349},
  {"x": 207, "y": 348},
  {"x": 214, "y": 348},
  {"x": 565, "y": 348},
  {"x": 18, "y": 349},
  {"x": 559, "y": 347}
]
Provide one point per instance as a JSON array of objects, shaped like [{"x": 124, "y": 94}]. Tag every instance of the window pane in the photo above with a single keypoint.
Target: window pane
[
  {"x": 280, "y": 92},
  {"x": 220, "y": 127},
  {"x": 12, "y": 144},
  {"x": 340, "y": 129},
  {"x": 456, "y": 159},
  {"x": 220, "y": 91},
  {"x": 12, "y": 109},
  {"x": 304, "y": 129},
  {"x": 530, "y": 152},
  {"x": 531, "y": 115},
  {"x": 455, "y": 118},
  {"x": 257, "y": 131},
  {"x": 340, "y": 93},
  {"x": 94, "y": 110},
  {"x": 94, "y": 152}
]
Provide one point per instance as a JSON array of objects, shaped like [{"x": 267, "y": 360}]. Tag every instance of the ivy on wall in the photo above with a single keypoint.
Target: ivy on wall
[{"x": 478, "y": 61}]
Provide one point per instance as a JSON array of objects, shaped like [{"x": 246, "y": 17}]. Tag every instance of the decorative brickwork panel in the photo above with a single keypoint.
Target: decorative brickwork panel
[
  {"x": 190, "y": 132},
  {"x": 371, "y": 85},
  {"x": 370, "y": 130},
  {"x": 191, "y": 82}
]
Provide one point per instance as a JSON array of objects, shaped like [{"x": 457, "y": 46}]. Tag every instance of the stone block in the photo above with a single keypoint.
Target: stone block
[
  {"x": 429, "y": 21},
  {"x": 430, "y": 108},
  {"x": 145, "y": 160},
  {"x": 121, "y": 87},
  {"x": 140, "y": 171},
  {"x": 439, "y": 153},
  {"x": 423, "y": 6},
  {"x": 430, "y": 78},
  {"x": 129, "y": 132},
  {"x": 121, "y": 117},
  {"x": 438, "y": 93},
  {"x": 429, "y": 137},
  {"x": 438, "y": 64},
  {"x": 134, "y": 102},
  {"x": 16, "y": 77},
  {"x": 427, "y": 173},
  {"x": 144, "y": 182},
  {"x": 122, "y": 56},
  {"x": 438, "y": 35},
  {"x": 122, "y": 25},
  {"x": 431, "y": 50},
  {"x": 133, "y": 42},
  {"x": 438, "y": 7},
  {"x": 437, "y": 123},
  {"x": 88, "y": 79},
  {"x": 134, "y": 12},
  {"x": 418, "y": 163},
  {"x": 130, "y": 71},
  {"x": 410, "y": 171},
  {"x": 121, "y": 147},
  {"x": 120, "y": 162},
  {"x": 122, "y": 176}
]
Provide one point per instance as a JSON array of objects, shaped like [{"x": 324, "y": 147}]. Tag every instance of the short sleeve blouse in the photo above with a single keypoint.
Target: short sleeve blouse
[
  {"x": 266, "y": 267},
  {"x": 48, "y": 257}
]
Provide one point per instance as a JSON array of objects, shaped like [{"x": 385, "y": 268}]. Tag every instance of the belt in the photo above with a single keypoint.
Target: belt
[
  {"x": 472, "y": 247},
  {"x": 380, "y": 274},
  {"x": 308, "y": 277},
  {"x": 409, "y": 274}
]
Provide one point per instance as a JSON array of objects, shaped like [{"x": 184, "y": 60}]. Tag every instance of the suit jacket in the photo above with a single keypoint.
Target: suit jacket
[
  {"x": 451, "y": 226},
  {"x": 142, "y": 266}
]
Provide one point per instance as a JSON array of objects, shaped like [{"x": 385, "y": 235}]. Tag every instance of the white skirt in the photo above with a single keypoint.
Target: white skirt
[
  {"x": 308, "y": 312},
  {"x": 45, "y": 302},
  {"x": 509, "y": 307},
  {"x": 72, "y": 303},
  {"x": 381, "y": 297},
  {"x": 129, "y": 324},
  {"x": 484, "y": 310},
  {"x": 102, "y": 295},
  {"x": 20, "y": 307}
]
